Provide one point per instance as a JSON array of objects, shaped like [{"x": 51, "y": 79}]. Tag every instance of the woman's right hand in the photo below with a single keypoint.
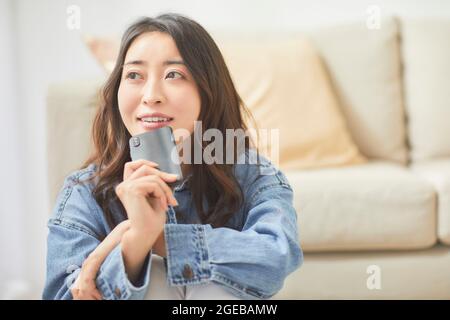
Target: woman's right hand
[{"x": 145, "y": 196}]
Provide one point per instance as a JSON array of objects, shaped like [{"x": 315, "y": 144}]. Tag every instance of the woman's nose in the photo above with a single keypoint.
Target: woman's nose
[{"x": 153, "y": 93}]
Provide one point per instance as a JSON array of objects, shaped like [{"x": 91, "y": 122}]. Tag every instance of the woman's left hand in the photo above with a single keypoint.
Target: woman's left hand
[{"x": 84, "y": 287}]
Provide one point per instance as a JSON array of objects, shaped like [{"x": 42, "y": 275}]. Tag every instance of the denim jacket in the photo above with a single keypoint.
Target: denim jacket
[{"x": 250, "y": 257}]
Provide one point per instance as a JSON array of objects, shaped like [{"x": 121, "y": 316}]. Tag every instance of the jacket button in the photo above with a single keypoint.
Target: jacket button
[
  {"x": 187, "y": 272},
  {"x": 72, "y": 268},
  {"x": 117, "y": 292}
]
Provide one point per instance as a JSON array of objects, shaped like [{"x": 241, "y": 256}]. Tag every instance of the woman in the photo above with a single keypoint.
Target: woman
[{"x": 118, "y": 231}]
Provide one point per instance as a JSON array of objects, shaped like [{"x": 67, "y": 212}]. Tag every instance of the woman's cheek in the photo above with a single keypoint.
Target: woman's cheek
[
  {"x": 126, "y": 113},
  {"x": 188, "y": 100},
  {"x": 127, "y": 102}
]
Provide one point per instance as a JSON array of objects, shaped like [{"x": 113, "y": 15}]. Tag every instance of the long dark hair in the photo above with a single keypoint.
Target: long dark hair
[{"x": 221, "y": 108}]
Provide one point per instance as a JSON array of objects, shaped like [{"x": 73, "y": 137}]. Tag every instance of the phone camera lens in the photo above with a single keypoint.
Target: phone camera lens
[{"x": 136, "y": 142}]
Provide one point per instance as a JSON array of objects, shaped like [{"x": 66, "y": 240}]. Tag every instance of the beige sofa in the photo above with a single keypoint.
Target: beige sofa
[{"x": 379, "y": 230}]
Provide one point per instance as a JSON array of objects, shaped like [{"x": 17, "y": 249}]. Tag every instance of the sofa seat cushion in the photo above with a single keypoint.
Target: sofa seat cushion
[
  {"x": 411, "y": 274},
  {"x": 437, "y": 172},
  {"x": 374, "y": 206}
]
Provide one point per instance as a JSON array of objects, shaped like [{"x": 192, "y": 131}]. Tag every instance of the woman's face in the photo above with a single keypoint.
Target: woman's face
[{"x": 155, "y": 82}]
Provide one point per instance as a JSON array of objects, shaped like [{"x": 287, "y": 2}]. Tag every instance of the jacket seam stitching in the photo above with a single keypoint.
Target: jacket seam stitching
[
  {"x": 72, "y": 181},
  {"x": 267, "y": 186},
  {"x": 72, "y": 225},
  {"x": 237, "y": 286}
]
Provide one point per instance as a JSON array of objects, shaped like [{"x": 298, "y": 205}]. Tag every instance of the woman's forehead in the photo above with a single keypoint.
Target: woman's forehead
[{"x": 153, "y": 47}]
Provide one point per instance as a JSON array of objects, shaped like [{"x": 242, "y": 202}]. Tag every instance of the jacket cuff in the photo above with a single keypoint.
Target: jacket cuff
[
  {"x": 113, "y": 280},
  {"x": 187, "y": 254}
]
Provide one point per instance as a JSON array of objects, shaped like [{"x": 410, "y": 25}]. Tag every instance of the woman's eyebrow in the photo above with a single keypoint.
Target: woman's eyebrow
[
  {"x": 143, "y": 62},
  {"x": 169, "y": 62}
]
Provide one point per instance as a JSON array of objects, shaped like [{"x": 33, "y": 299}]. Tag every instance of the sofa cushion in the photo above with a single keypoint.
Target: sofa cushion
[
  {"x": 426, "y": 52},
  {"x": 374, "y": 206},
  {"x": 365, "y": 69},
  {"x": 437, "y": 172},
  {"x": 285, "y": 86},
  {"x": 104, "y": 49}
]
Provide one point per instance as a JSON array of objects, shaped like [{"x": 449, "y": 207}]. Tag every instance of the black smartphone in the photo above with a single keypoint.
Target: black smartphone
[{"x": 158, "y": 146}]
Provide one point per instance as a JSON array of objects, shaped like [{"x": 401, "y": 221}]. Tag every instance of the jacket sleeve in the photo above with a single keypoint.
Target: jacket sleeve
[
  {"x": 251, "y": 263},
  {"x": 73, "y": 235}
]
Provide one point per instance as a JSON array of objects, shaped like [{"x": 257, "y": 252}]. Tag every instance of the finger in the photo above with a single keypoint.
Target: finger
[
  {"x": 88, "y": 275},
  {"x": 75, "y": 293},
  {"x": 131, "y": 166},
  {"x": 118, "y": 231},
  {"x": 154, "y": 190},
  {"x": 87, "y": 289},
  {"x": 109, "y": 243},
  {"x": 91, "y": 294},
  {"x": 157, "y": 203},
  {"x": 125, "y": 224},
  {"x": 86, "y": 295},
  {"x": 170, "y": 198},
  {"x": 86, "y": 279},
  {"x": 97, "y": 295},
  {"x": 74, "y": 288},
  {"x": 168, "y": 192},
  {"x": 164, "y": 205},
  {"x": 147, "y": 170}
]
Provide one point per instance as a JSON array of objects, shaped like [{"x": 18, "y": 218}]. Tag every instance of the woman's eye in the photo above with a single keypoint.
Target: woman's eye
[
  {"x": 129, "y": 75},
  {"x": 174, "y": 72}
]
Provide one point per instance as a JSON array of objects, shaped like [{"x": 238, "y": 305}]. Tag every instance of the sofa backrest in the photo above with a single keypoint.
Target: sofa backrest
[
  {"x": 70, "y": 111},
  {"x": 365, "y": 67},
  {"x": 426, "y": 56}
]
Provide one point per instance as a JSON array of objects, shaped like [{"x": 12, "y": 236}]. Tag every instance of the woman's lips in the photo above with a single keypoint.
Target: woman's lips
[{"x": 153, "y": 125}]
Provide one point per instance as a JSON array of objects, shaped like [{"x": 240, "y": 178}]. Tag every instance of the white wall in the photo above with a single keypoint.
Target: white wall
[
  {"x": 38, "y": 49},
  {"x": 12, "y": 239}
]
